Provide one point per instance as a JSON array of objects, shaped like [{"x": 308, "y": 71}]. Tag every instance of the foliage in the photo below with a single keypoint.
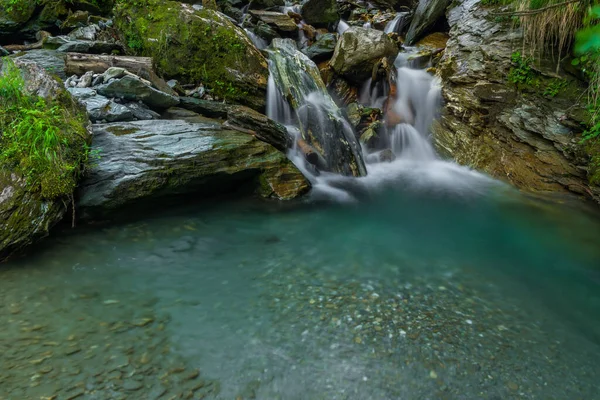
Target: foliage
[
  {"x": 521, "y": 73},
  {"x": 554, "y": 87},
  {"x": 45, "y": 141}
]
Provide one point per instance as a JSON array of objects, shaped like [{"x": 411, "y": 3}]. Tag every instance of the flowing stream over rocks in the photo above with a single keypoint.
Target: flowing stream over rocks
[{"x": 401, "y": 275}]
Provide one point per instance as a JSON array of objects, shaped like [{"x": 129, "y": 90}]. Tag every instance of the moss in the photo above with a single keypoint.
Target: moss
[
  {"x": 193, "y": 47},
  {"x": 43, "y": 140}
]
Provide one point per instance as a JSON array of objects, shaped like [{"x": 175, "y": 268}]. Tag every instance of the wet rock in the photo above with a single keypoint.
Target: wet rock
[
  {"x": 141, "y": 112},
  {"x": 359, "y": 50},
  {"x": 100, "y": 108},
  {"x": 327, "y": 134},
  {"x": 281, "y": 22},
  {"x": 323, "y": 48},
  {"x": 3, "y": 52},
  {"x": 518, "y": 136},
  {"x": 131, "y": 385},
  {"x": 320, "y": 12},
  {"x": 145, "y": 161},
  {"x": 204, "y": 46},
  {"x": 260, "y": 125},
  {"x": 134, "y": 88},
  {"x": 265, "y": 32},
  {"x": 27, "y": 213},
  {"x": 428, "y": 12}
]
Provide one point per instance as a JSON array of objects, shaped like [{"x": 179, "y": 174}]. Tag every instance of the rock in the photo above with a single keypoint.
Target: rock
[
  {"x": 75, "y": 20},
  {"x": 428, "y": 12},
  {"x": 133, "y": 88},
  {"x": 89, "y": 32},
  {"x": 518, "y": 136},
  {"x": 4, "y": 52},
  {"x": 281, "y": 22},
  {"x": 131, "y": 385},
  {"x": 265, "y": 32},
  {"x": 323, "y": 48},
  {"x": 141, "y": 111},
  {"x": 211, "y": 109},
  {"x": 54, "y": 42},
  {"x": 52, "y": 61},
  {"x": 28, "y": 211},
  {"x": 321, "y": 122},
  {"x": 264, "y": 129},
  {"x": 203, "y": 46},
  {"x": 359, "y": 50},
  {"x": 320, "y": 12},
  {"x": 14, "y": 16},
  {"x": 146, "y": 161},
  {"x": 95, "y": 47},
  {"x": 86, "y": 80},
  {"x": 100, "y": 108},
  {"x": 262, "y": 4}
]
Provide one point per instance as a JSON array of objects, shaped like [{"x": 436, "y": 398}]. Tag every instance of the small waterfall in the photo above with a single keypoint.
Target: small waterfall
[
  {"x": 328, "y": 141},
  {"x": 259, "y": 42},
  {"x": 397, "y": 24},
  {"x": 342, "y": 27}
]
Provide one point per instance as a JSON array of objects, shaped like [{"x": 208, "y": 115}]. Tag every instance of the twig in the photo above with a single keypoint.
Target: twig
[{"x": 536, "y": 11}]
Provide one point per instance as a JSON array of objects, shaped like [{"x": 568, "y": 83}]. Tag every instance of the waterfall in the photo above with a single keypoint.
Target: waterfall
[
  {"x": 397, "y": 24},
  {"x": 326, "y": 138},
  {"x": 259, "y": 42}
]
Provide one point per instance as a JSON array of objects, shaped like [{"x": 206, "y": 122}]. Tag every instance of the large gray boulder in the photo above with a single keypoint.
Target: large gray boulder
[
  {"x": 144, "y": 162},
  {"x": 520, "y": 136},
  {"x": 32, "y": 202},
  {"x": 14, "y": 16},
  {"x": 358, "y": 50},
  {"x": 427, "y": 14}
]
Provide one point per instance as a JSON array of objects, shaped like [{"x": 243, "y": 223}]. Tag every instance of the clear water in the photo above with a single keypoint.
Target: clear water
[{"x": 436, "y": 283}]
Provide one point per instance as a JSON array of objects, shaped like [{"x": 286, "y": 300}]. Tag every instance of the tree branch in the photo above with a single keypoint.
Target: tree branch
[{"x": 536, "y": 11}]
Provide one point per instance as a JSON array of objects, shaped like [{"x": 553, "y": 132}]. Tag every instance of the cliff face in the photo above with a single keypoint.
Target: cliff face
[{"x": 527, "y": 135}]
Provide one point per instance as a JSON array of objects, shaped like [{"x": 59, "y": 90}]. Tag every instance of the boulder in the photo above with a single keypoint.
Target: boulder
[
  {"x": 320, "y": 12},
  {"x": 323, "y": 48},
  {"x": 427, "y": 14},
  {"x": 52, "y": 61},
  {"x": 519, "y": 136},
  {"x": 90, "y": 47},
  {"x": 144, "y": 162},
  {"x": 34, "y": 193},
  {"x": 100, "y": 108},
  {"x": 279, "y": 21},
  {"x": 14, "y": 15},
  {"x": 359, "y": 50},
  {"x": 202, "y": 46},
  {"x": 321, "y": 122},
  {"x": 131, "y": 87}
]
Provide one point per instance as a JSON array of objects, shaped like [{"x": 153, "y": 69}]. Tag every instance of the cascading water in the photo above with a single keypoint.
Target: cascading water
[{"x": 397, "y": 24}]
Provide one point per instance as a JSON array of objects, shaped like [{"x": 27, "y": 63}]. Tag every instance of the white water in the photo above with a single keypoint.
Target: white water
[
  {"x": 259, "y": 42},
  {"x": 416, "y": 165},
  {"x": 397, "y": 24},
  {"x": 342, "y": 27}
]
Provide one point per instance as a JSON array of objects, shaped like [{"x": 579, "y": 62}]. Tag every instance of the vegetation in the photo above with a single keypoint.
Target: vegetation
[{"x": 45, "y": 141}]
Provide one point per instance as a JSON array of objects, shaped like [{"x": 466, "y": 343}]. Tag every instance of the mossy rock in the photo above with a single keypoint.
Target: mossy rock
[
  {"x": 196, "y": 47},
  {"x": 15, "y": 13},
  {"x": 35, "y": 191}
]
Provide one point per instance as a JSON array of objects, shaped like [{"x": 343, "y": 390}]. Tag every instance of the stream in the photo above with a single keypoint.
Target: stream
[{"x": 421, "y": 280}]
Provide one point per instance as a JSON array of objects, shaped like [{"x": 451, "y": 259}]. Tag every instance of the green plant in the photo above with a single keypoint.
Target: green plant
[
  {"x": 521, "y": 73},
  {"x": 45, "y": 141},
  {"x": 554, "y": 87}
]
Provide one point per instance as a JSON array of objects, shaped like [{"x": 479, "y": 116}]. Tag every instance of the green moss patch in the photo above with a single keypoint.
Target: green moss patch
[{"x": 45, "y": 141}]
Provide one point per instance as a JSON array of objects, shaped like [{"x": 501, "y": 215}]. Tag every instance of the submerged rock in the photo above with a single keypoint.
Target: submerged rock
[
  {"x": 428, "y": 12},
  {"x": 516, "y": 135},
  {"x": 201, "y": 46},
  {"x": 359, "y": 50},
  {"x": 321, "y": 122},
  {"x": 144, "y": 162},
  {"x": 29, "y": 210}
]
